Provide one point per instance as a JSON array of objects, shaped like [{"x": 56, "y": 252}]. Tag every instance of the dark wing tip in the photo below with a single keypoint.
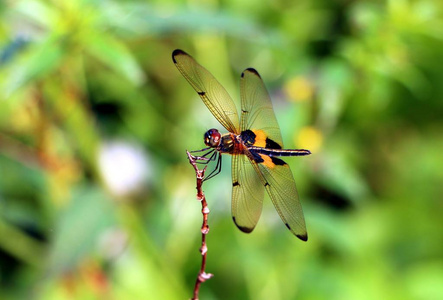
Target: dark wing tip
[
  {"x": 251, "y": 70},
  {"x": 304, "y": 237},
  {"x": 243, "y": 228},
  {"x": 177, "y": 52}
]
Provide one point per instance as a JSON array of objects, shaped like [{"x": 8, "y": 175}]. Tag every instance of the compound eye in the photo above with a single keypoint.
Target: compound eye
[{"x": 212, "y": 138}]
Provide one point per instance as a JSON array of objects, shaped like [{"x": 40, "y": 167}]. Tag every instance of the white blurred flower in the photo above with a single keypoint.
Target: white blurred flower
[{"x": 124, "y": 167}]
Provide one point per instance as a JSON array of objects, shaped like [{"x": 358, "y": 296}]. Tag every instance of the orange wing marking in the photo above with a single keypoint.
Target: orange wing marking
[
  {"x": 267, "y": 161},
  {"x": 260, "y": 138}
]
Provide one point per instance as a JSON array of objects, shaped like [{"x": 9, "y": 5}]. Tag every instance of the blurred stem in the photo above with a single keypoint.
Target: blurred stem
[{"x": 21, "y": 246}]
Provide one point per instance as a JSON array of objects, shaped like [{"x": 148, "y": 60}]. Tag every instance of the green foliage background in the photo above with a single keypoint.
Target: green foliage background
[{"x": 360, "y": 83}]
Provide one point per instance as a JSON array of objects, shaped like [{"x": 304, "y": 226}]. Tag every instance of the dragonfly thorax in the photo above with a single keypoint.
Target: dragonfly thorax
[{"x": 212, "y": 138}]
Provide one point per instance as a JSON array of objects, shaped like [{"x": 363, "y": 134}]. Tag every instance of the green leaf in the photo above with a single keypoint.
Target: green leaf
[
  {"x": 114, "y": 54},
  {"x": 79, "y": 228},
  {"x": 36, "y": 63}
]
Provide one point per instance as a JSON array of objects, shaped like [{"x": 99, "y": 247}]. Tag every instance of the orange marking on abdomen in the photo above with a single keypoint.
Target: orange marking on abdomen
[{"x": 260, "y": 138}]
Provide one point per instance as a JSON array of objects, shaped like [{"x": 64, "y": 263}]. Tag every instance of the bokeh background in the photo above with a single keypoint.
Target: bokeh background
[{"x": 97, "y": 198}]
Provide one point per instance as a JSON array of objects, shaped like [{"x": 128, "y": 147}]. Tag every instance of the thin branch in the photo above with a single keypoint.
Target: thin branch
[{"x": 200, "y": 174}]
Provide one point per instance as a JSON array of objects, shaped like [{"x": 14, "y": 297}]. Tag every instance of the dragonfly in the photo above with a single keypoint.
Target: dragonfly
[{"x": 253, "y": 140}]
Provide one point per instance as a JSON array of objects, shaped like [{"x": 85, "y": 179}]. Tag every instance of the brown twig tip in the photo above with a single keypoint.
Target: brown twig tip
[{"x": 200, "y": 174}]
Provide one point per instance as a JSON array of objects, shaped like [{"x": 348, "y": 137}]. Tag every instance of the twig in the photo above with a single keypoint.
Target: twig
[{"x": 202, "y": 275}]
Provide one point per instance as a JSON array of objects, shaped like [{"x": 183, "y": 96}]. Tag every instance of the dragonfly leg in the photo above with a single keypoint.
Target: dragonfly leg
[
  {"x": 204, "y": 160},
  {"x": 217, "y": 168},
  {"x": 201, "y": 150}
]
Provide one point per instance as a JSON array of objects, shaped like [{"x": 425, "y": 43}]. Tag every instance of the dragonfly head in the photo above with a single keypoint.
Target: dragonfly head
[{"x": 212, "y": 138}]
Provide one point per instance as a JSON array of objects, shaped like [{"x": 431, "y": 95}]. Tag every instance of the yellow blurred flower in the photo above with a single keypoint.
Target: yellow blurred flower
[
  {"x": 309, "y": 138},
  {"x": 299, "y": 89}
]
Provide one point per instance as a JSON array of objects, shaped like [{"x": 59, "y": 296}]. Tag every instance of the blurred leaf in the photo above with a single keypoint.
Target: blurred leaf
[
  {"x": 342, "y": 176},
  {"x": 79, "y": 228},
  {"x": 116, "y": 56},
  {"x": 20, "y": 245},
  {"x": 38, "y": 61},
  {"x": 36, "y": 11},
  {"x": 142, "y": 19}
]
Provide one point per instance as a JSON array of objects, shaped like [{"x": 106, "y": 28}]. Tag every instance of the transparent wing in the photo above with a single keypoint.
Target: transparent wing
[
  {"x": 247, "y": 193},
  {"x": 256, "y": 107},
  {"x": 213, "y": 94},
  {"x": 258, "y": 115},
  {"x": 280, "y": 185}
]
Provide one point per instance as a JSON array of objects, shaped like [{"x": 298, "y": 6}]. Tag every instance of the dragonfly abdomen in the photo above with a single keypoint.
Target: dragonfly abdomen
[{"x": 280, "y": 152}]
